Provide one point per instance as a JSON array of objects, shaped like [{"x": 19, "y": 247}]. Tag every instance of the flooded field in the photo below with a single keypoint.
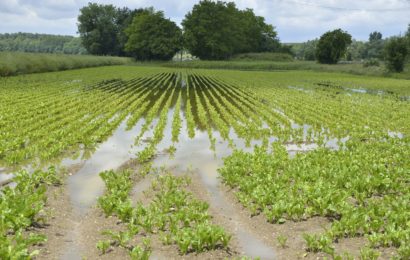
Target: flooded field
[{"x": 171, "y": 164}]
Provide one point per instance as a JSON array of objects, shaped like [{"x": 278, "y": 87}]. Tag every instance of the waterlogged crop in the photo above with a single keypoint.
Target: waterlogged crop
[
  {"x": 357, "y": 174},
  {"x": 173, "y": 213}
]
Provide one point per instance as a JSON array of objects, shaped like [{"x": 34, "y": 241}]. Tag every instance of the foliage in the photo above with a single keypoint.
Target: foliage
[
  {"x": 282, "y": 240},
  {"x": 371, "y": 62},
  {"x": 97, "y": 28},
  {"x": 21, "y": 207},
  {"x": 101, "y": 28},
  {"x": 332, "y": 46},
  {"x": 13, "y": 63},
  {"x": 265, "y": 56},
  {"x": 356, "y": 51},
  {"x": 354, "y": 186},
  {"x": 306, "y": 50},
  {"x": 396, "y": 52},
  {"x": 152, "y": 37},
  {"x": 44, "y": 43},
  {"x": 373, "y": 49},
  {"x": 55, "y": 117},
  {"x": 218, "y": 30},
  {"x": 174, "y": 213},
  {"x": 356, "y": 175}
]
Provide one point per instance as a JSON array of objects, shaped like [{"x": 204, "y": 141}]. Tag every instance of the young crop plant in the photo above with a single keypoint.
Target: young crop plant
[
  {"x": 154, "y": 110},
  {"x": 204, "y": 119},
  {"x": 173, "y": 213},
  {"x": 355, "y": 187},
  {"x": 21, "y": 207},
  {"x": 188, "y": 112},
  {"x": 150, "y": 150},
  {"x": 282, "y": 240},
  {"x": 176, "y": 120}
]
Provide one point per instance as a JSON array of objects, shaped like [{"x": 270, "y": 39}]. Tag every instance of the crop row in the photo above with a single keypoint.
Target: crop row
[{"x": 173, "y": 213}]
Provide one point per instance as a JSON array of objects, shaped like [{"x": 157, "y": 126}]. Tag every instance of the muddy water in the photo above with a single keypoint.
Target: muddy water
[
  {"x": 191, "y": 154},
  {"x": 195, "y": 155},
  {"x": 86, "y": 185}
]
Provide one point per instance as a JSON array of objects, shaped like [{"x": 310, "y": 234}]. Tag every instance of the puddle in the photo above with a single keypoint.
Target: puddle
[
  {"x": 86, "y": 185},
  {"x": 5, "y": 178},
  {"x": 395, "y": 134},
  {"x": 357, "y": 90},
  {"x": 300, "y": 89},
  {"x": 194, "y": 154}
]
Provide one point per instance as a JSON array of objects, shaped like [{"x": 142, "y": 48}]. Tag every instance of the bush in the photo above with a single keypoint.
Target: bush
[
  {"x": 396, "y": 52},
  {"x": 266, "y": 56},
  {"x": 371, "y": 63}
]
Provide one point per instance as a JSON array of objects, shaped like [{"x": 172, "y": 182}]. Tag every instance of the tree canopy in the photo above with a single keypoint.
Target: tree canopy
[
  {"x": 153, "y": 37},
  {"x": 332, "y": 46},
  {"x": 373, "y": 49},
  {"x": 396, "y": 51},
  {"x": 218, "y": 30},
  {"x": 102, "y": 28}
]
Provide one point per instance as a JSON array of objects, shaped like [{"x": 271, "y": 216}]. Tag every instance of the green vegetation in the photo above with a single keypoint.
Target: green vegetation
[
  {"x": 40, "y": 123},
  {"x": 218, "y": 30},
  {"x": 102, "y": 28},
  {"x": 146, "y": 35},
  {"x": 13, "y": 63},
  {"x": 29, "y": 133},
  {"x": 152, "y": 37},
  {"x": 261, "y": 65},
  {"x": 362, "y": 188},
  {"x": 44, "y": 43},
  {"x": 263, "y": 56},
  {"x": 355, "y": 174},
  {"x": 356, "y": 51},
  {"x": 173, "y": 213},
  {"x": 332, "y": 46},
  {"x": 396, "y": 54},
  {"x": 22, "y": 207}
]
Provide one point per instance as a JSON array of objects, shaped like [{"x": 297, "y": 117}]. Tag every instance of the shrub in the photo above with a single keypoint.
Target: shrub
[{"x": 396, "y": 52}]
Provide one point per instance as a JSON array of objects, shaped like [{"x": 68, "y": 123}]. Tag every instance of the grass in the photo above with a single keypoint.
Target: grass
[
  {"x": 14, "y": 63},
  {"x": 267, "y": 65},
  {"x": 263, "y": 56}
]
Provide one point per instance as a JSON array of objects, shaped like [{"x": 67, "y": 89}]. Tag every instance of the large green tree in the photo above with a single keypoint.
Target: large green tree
[
  {"x": 97, "y": 28},
  {"x": 332, "y": 46},
  {"x": 408, "y": 36},
  {"x": 396, "y": 51},
  {"x": 101, "y": 28},
  {"x": 218, "y": 30},
  {"x": 153, "y": 37}
]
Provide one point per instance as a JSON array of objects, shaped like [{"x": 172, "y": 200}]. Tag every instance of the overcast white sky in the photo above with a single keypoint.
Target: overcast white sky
[{"x": 295, "y": 20}]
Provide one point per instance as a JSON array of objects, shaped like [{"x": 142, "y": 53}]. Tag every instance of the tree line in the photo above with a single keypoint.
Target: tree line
[
  {"x": 211, "y": 31},
  {"x": 43, "y": 43},
  {"x": 337, "y": 44},
  {"x": 216, "y": 30}
]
